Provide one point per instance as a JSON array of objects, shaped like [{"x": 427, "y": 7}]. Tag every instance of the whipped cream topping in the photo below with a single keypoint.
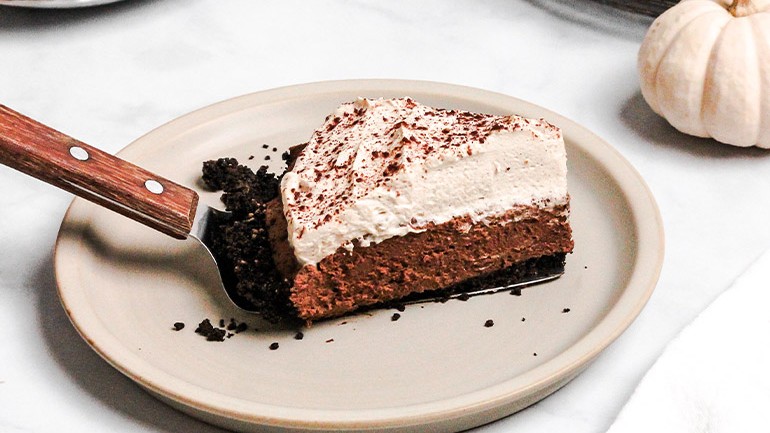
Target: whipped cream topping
[{"x": 379, "y": 168}]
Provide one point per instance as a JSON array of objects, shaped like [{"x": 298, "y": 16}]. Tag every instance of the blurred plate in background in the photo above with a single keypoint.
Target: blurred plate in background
[
  {"x": 55, "y": 4},
  {"x": 651, "y": 8}
]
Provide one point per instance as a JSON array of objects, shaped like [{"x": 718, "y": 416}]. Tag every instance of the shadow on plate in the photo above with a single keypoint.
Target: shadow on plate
[
  {"x": 638, "y": 116},
  {"x": 15, "y": 19},
  {"x": 96, "y": 376}
]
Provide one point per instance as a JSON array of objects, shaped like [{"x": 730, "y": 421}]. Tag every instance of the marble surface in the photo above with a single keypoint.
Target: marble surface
[{"x": 109, "y": 74}]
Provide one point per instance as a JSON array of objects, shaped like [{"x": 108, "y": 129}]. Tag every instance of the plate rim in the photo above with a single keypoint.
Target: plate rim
[
  {"x": 641, "y": 283},
  {"x": 55, "y": 4}
]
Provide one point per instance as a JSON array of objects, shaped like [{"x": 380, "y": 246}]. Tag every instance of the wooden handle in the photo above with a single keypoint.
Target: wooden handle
[{"x": 60, "y": 160}]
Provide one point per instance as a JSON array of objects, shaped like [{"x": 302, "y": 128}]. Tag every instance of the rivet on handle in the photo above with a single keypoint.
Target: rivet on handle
[
  {"x": 79, "y": 153},
  {"x": 154, "y": 186},
  {"x": 43, "y": 152}
]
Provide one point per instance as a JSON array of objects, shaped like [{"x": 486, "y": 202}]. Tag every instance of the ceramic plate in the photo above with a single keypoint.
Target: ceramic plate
[
  {"x": 437, "y": 368},
  {"x": 55, "y": 4}
]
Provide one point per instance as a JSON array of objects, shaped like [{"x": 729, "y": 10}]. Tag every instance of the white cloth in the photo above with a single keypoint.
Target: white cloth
[{"x": 715, "y": 376}]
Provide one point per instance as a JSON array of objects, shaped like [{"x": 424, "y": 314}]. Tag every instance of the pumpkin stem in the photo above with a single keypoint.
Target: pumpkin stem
[{"x": 741, "y": 8}]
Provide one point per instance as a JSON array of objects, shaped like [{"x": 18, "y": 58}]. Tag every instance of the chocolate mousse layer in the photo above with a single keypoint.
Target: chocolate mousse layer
[{"x": 521, "y": 241}]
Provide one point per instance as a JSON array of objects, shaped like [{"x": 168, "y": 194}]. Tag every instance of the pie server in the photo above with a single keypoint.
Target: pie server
[{"x": 60, "y": 160}]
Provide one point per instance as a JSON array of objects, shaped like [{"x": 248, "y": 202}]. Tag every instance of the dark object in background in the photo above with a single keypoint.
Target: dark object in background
[{"x": 651, "y": 8}]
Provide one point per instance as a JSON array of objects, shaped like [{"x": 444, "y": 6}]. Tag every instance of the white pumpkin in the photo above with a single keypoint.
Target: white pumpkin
[{"x": 705, "y": 67}]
